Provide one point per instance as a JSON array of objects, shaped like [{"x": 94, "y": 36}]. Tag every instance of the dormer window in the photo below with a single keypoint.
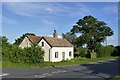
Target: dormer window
[{"x": 42, "y": 44}]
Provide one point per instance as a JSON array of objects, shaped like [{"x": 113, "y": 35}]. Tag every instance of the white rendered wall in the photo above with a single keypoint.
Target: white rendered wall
[
  {"x": 25, "y": 43},
  {"x": 60, "y": 50},
  {"x": 46, "y": 48}
]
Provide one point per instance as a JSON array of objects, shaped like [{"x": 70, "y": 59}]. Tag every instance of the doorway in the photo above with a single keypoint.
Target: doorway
[{"x": 63, "y": 55}]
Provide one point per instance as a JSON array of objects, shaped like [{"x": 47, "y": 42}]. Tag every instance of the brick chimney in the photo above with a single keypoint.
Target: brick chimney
[{"x": 55, "y": 34}]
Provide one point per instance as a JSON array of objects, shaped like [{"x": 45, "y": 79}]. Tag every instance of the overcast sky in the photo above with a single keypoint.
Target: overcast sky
[{"x": 42, "y": 18}]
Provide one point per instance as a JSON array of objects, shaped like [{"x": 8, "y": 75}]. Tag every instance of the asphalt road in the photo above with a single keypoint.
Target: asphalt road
[{"x": 106, "y": 69}]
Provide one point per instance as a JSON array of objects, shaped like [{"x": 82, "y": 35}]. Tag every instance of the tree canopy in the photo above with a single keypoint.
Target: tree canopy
[
  {"x": 70, "y": 37},
  {"x": 93, "y": 32},
  {"x": 19, "y": 40}
]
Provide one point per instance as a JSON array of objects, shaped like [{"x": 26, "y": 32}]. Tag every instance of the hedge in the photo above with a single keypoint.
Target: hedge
[
  {"x": 29, "y": 55},
  {"x": 104, "y": 51}
]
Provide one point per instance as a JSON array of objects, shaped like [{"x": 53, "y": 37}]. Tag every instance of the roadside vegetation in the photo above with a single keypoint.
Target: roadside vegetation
[
  {"x": 8, "y": 64},
  {"x": 116, "y": 78},
  {"x": 87, "y": 36},
  {"x": 13, "y": 54},
  {"x": 87, "y": 46}
]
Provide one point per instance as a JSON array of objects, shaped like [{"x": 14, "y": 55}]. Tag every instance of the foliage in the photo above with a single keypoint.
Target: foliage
[
  {"x": 116, "y": 77},
  {"x": 70, "y": 37},
  {"x": 0, "y": 48},
  {"x": 15, "y": 54},
  {"x": 105, "y": 51},
  {"x": 29, "y": 55},
  {"x": 82, "y": 52},
  {"x": 8, "y": 64},
  {"x": 116, "y": 51},
  {"x": 19, "y": 40},
  {"x": 34, "y": 55},
  {"x": 93, "y": 32}
]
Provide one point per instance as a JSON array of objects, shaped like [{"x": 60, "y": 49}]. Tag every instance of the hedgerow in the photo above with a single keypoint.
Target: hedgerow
[{"x": 29, "y": 55}]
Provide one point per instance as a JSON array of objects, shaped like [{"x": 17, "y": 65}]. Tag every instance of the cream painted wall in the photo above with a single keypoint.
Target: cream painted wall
[
  {"x": 25, "y": 43},
  {"x": 60, "y": 50},
  {"x": 49, "y": 54},
  {"x": 46, "y": 48}
]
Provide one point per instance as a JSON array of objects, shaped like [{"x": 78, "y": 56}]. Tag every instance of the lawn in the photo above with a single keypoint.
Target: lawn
[{"x": 8, "y": 64}]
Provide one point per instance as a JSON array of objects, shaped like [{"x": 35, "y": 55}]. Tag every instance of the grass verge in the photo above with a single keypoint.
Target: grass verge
[
  {"x": 8, "y": 64},
  {"x": 116, "y": 78}
]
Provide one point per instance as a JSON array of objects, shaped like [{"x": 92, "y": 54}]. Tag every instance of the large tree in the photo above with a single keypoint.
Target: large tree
[
  {"x": 19, "y": 40},
  {"x": 70, "y": 37},
  {"x": 92, "y": 32}
]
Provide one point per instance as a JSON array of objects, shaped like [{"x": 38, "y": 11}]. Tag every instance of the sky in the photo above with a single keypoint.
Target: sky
[{"x": 41, "y": 18}]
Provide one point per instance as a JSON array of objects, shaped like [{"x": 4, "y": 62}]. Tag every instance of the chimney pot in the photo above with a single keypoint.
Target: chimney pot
[{"x": 55, "y": 34}]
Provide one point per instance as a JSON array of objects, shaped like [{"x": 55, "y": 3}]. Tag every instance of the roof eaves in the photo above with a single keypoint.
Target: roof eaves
[{"x": 46, "y": 41}]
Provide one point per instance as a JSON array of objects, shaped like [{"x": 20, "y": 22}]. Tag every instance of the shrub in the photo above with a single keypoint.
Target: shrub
[
  {"x": 104, "y": 51},
  {"x": 29, "y": 55},
  {"x": 82, "y": 52},
  {"x": 116, "y": 51},
  {"x": 34, "y": 55}
]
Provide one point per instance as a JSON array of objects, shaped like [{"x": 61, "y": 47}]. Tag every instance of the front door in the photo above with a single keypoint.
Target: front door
[{"x": 63, "y": 55}]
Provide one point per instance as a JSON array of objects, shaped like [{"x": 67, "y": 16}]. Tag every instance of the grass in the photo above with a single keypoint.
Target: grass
[
  {"x": 8, "y": 64},
  {"x": 116, "y": 78}
]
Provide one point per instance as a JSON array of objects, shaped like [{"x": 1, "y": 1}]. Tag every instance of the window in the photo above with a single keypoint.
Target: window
[
  {"x": 70, "y": 53},
  {"x": 56, "y": 54},
  {"x": 42, "y": 44}
]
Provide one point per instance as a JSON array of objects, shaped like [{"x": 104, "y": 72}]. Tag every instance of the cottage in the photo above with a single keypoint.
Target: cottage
[{"x": 56, "y": 49}]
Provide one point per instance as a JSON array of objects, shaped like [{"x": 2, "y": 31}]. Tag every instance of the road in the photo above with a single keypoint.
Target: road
[{"x": 101, "y": 69}]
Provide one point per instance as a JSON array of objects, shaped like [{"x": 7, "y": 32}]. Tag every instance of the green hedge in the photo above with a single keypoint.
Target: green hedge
[
  {"x": 82, "y": 52},
  {"x": 104, "y": 51},
  {"x": 29, "y": 55},
  {"x": 116, "y": 51}
]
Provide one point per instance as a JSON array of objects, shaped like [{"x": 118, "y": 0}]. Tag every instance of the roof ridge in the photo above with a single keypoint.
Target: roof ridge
[{"x": 58, "y": 42}]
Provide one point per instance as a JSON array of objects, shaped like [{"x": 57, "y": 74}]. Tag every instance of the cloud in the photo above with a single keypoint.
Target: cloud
[
  {"x": 67, "y": 10},
  {"x": 50, "y": 10},
  {"x": 52, "y": 36},
  {"x": 7, "y": 20},
  {"x": 45, "y": 9},
  {"x": 24, "y": 9},
  {"x": 46, "y": 27}
]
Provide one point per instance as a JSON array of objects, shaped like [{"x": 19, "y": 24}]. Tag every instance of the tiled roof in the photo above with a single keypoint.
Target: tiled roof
[
  {"x": 58, "y": 42},
  {"x": 53, "y": 42},
  {"x": 34, "y": 39}
]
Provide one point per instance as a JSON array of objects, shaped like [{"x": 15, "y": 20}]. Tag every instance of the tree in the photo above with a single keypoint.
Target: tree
[
  {"x": 19, "y": 40},
  {"x": 92, "y": 31},
  {"x": 0, "y": 47},
  {"x": 5, "y": 46},
  {"x": 4, "y": 39},
  {"x": 70, "y": 37}
]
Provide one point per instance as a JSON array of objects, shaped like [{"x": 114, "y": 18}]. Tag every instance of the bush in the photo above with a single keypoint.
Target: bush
[
  {"x": 82, "y": 52},
  {"x": 34, "y": 55},
  {"x": 116, "y": 51},
  {"x": 29, "y": 55},
  {"x": 104, "y": 51}
]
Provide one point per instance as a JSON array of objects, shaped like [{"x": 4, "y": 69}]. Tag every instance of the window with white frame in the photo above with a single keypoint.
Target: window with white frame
[{"x": 56, "y": 54}]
